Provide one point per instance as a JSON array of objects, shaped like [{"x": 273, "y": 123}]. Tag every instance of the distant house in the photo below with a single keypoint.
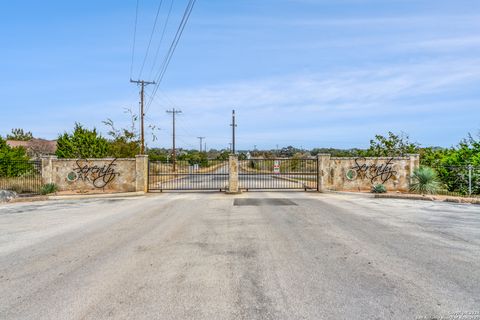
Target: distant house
[{"x": 36, "y": 147}]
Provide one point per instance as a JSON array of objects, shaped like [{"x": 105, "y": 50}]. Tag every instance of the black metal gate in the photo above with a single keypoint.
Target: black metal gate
[
  {"x": 188, "y": 175},
  {"x": 21, "y": 176},
  {"x": 285, "y": 174}
]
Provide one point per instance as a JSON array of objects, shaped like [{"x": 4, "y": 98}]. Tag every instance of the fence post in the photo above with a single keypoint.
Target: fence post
[
  {"x": 141, "y": 173},
  {"x": 233, "y": 186},
  {"x": 322, "y": 167},
  {"x": 47, "y": 169},
  {"x": 470, "y": 168}
]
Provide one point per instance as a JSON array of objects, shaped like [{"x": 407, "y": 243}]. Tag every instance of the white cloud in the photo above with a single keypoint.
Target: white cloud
[{"x": 334, "y": 106}]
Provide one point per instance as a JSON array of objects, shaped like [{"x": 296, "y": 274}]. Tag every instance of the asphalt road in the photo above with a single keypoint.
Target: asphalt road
[{"x": 268, "y": 256}]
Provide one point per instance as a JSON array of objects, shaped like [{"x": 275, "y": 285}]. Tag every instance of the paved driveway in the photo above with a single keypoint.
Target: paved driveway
[{"x": 252, "y": 256}]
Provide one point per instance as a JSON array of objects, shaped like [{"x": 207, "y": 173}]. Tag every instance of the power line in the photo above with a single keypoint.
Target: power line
[
  {"x": 173, "y": 46},
  {"x": 134, "y": 38},
  {"x": 150, "y": 40},
  {"x": 161, "y": 39}
]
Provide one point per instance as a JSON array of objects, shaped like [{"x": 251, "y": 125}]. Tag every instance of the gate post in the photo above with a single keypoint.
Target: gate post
[
  {"x": 141, "y": 173},
  {"x": 323, "y": 164},
  {"x": 47, "y": 169},
  {"x": 233, "y": 186},
  {"x": 414, "y": 163}
]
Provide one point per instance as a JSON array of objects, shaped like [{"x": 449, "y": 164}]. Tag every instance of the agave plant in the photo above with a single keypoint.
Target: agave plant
[
  {"x": 49, "y": 188},
  {"x": 379, "y": 188},
  {"x": 424, "y": 180}
]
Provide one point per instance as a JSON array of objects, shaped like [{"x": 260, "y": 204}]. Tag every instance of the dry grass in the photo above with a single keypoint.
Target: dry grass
[{"x": 21, "y": 184}]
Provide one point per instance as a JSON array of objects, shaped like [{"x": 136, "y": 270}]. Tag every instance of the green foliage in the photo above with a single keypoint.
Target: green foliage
[
  {"x": 195, "y": 157},
  {"x": 452, "y": 166},
  {"x": 14, "y": 162},
  {"x": 379, "y": 188},
  {"x": 20, "y": 135},
  {"x": 224, "y": 155},
  {"x": 337, "y": 152},
  {"x": 82, "y": 143},
  {"x": 425, "y": 181},
  {"x": 432, "y": 156},
  {"x": 392, "y": 145},
  {"x": 157, "y": 154},
  {"x": 49, "y": 188},
  {"x": 125, "y": 142}
]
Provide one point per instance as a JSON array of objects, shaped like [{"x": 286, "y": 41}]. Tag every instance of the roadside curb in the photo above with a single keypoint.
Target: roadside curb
[
  {"x": 75, "y": 197},
  {"x": 27, "y": 199},
  {"x": 97, "y": 196},
  {"x": 428, "y": 198}
]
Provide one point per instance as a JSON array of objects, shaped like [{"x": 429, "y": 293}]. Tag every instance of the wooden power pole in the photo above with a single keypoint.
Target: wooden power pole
[
  {"x": 142, "y": 84},
  {"x": 174, "y": 153}
]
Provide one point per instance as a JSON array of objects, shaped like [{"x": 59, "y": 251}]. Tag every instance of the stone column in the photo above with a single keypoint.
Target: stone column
[
  {"x": 233, "y": 185},
  {"x": 413, "y": 164},
  {"x": 323, "y": 166},
  {"x": 47, "y": 169},
  {"x": 141, "y": 173}
]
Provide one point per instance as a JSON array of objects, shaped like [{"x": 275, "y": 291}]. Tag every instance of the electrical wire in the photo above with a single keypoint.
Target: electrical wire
[
  {"x": 134, "y": 38},
  {"x": 173, "y": 46},
  {"x": 150, "y": 40},
  {"x": 161, "y": 40}
]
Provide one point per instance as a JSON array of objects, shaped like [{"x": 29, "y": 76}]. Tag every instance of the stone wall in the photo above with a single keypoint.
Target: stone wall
[
  {"x": 96, "y": 175},
  {"x": 360, "y": 174}
]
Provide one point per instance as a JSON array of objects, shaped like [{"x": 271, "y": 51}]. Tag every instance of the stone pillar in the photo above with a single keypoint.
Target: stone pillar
[
  {"x": 233, "y": 185},
  {"x": 141, "y": 173},
  {"x": 47, "y": 169},
  {"x": 413, "y": 164},
  {"x": 323, "y": 166}
]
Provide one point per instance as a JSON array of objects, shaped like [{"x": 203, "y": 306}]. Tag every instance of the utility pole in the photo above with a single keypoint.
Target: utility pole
[
  {"x": 233, "y": 125},
  {"x": 230, "y": 146},
  {"x": 142, "y": 83},
  {"x": 201, "y": 139},
  {"x": 174, "y": 112}
]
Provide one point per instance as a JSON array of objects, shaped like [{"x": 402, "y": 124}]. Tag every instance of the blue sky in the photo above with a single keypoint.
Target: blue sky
[{"x": 299, "y": 72}]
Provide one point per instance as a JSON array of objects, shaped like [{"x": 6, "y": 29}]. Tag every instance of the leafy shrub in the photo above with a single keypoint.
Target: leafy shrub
[
  {"x": 82, "y": 143},
  {"x": 379, "y": 188},
  {"x": 424, "y": 181},
  {"x": 49, "y": 188}
]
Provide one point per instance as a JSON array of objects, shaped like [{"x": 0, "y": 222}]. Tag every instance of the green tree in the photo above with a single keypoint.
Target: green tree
[
  {"x": 124, "y": 143},
  {"x": 157, "y": 154},
  {"x": 20, "y": 135},
  {"x": 13, "y": 161},
  {"x": 224, "y": 155},
  {"x": 452, "y": 166},
  {"x": 392, "y": 145},
  {"x": 82, "y": 143}
]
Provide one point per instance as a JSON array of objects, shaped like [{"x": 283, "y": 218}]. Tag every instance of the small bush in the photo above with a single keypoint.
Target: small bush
[
  {"x": 49, "y": 188},
  {"x": 379, "y": 188},
  {"x": 424, "y": 181}
]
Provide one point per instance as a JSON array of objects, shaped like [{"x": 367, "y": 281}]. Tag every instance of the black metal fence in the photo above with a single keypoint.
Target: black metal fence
[
  {"x": 278, "y": 174},
  {"x": 23, "y": 177},
  {"x": 188, "y": 175},
  {"x": 459, "y": 180}
]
